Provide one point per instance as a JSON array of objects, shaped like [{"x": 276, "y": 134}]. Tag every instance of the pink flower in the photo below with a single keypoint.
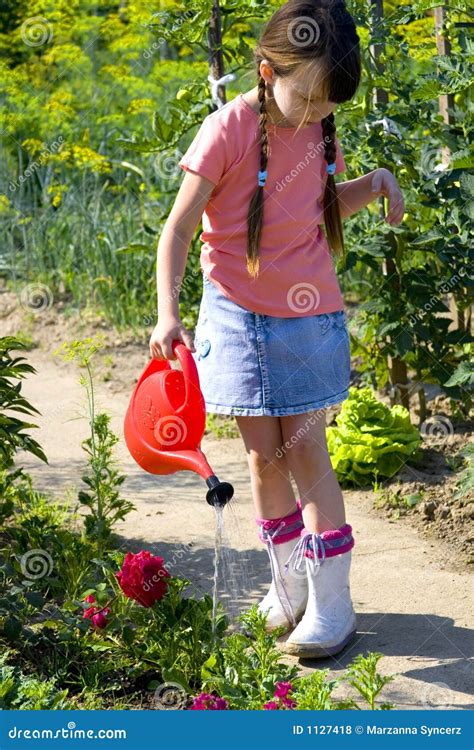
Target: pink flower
[
  {"x": 90, "y": 598},
  {"x": 271, "y": 706},
  {"x": 143, "y": 577},
  {"x": 281, "y": 694},
  {"x": 209, "y": 702},
  {"x": 282, "y": 689}
]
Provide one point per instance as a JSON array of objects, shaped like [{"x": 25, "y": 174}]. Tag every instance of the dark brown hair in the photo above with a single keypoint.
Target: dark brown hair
[{"x": 302, "y": 32}]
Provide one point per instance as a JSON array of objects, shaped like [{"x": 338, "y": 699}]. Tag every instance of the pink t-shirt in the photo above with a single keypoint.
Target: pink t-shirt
[{"x": 297, "y": 275}]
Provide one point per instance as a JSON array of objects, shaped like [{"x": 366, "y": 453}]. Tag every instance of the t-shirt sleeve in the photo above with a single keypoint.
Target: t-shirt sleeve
[
  {"x": 340, "y": 161},
  {"x": 208, "y": 153}
]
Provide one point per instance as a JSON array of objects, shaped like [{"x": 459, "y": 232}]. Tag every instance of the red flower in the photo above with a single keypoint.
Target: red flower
[
  {"x": 143, "y": 578},
  {"x": 97, "y": 615},
  {"x": 99, "y": 620}
]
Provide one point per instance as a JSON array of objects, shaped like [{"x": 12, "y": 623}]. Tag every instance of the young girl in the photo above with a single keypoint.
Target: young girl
[{"x": 271, "y": 341}]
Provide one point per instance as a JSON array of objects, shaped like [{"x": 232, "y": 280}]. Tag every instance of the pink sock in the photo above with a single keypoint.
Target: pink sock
[
  {"x": 281, "y": 529},
  {"x": 336, "y": 541}
]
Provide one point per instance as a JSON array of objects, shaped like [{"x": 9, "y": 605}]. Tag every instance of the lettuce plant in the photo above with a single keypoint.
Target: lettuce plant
[{"x": 371, "y": 439}]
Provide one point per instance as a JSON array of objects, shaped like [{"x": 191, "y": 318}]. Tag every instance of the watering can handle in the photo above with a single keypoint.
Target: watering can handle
[{"x": 188, "y": 366}]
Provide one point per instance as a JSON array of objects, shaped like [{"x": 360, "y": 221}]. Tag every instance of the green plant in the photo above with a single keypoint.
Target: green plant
[
  {"x": 105, "y": 504},
  {"x": 313, "y": 692},
  {"x": 12, "y": 435},
  {"x": 175, "y": 635},
  {"x": 43, "y": 563},
  {"x": 366, "y": 680},
  {"x": 465, "y": 481},
  {"x": 103, "y": 500},
  {"x": 370, "y": 439},
  {"x": 245, "y": 668},
  {"x": 27, "y": 693},
  {"x": 222, "y": 427},
  {"x": 463, "y": 376},
  {"x": 396, "y": 499}
]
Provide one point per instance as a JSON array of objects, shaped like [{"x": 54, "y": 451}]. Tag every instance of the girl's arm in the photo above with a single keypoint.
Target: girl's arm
[
  {"x": 173, "y": 246},
  {"x": 358, "y": 193},
  {"x": 172, "y": 253}
]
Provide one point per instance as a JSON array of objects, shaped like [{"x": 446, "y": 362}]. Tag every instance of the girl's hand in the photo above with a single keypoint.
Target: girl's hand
[
  {"x": 384, "y": 183},
  {"x": 165, "y": 332}
]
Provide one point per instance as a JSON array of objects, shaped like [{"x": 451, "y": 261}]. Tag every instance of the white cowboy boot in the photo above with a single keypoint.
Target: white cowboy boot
[
  {"x": 329, "y": 622},
  {"x": 286, "y": 599}
]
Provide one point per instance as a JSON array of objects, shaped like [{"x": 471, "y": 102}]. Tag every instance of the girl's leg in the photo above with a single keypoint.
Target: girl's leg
[
  {"x": 304, "y": 439},
  {"x": 278, "y": 518},
  {"x": 329, "y": 622},
  {"x": 272, "y": 492}
]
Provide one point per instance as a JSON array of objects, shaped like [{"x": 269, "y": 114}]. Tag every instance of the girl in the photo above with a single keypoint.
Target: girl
[{"x": 271, "y": 341}]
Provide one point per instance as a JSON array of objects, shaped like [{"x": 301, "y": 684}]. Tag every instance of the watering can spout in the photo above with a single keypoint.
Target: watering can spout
[
  {"x": 219, "y": 493},
  {"x": 165, "y": 422}
]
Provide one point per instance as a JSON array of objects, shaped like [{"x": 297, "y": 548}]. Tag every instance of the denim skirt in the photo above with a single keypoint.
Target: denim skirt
[{"x": 251, "y": 364}]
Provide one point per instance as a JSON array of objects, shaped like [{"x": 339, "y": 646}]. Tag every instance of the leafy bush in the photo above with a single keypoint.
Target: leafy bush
[
  {"x": 370, "y": 439},
  {"x": 12, "y": 437},
  {"x": 20, "y": 691},
  {"x": 313, "y": 691},
  {"x": 246, "y": 667},
  {"x": 249, "y": 672}
]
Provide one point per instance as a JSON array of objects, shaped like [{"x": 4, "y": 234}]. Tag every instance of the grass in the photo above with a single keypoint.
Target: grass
[{"x": 222, "y": 426}]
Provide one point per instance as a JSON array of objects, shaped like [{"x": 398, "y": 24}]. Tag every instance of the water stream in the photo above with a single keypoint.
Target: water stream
[
  {"x": 219, "y": 511},
  {"x": 230, "y": 580}
]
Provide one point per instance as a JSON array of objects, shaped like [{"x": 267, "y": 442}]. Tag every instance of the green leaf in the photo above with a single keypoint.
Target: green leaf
[
  {"x": 412, "y": 500},
  {"x": 35, "y": 599},
  {"x": 133, "y": 247},
  {"x": 12, "y": 627},
  {"x": 128, "y": 635},
  {"x": 174, "y": 675},
  {"x": 464, "y": 373}
]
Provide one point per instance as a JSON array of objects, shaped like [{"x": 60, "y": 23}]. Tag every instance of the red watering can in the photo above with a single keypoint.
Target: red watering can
[{"x": 165, "y": 422}]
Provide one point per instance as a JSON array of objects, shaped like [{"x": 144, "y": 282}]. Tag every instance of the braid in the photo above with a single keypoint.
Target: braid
[
  {"x": 255, "y": 214},
  {"x": 329, "y": 132},
  {"x": 332, "y": 218}
]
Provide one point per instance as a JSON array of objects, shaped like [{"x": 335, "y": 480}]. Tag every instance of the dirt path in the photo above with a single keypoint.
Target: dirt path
[{"x": 413, "y": 605}]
